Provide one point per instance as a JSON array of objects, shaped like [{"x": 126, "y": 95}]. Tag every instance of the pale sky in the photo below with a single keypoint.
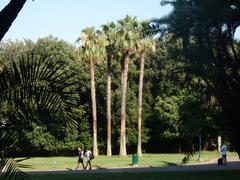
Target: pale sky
[{"x": 66, "y": 18}]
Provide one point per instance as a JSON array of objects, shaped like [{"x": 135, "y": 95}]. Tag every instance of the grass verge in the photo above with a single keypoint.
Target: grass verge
[{"x": 155, "y": 160}]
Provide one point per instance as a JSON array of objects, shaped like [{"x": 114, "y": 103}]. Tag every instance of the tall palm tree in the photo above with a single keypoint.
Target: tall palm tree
[
  {"x": 144, "y": 45},
  {"x": 127, "y": 36},
  {"x": 32, "y": 86},
  {"x": 93, "y": 51},
  {"x": 110, "y": 33}
]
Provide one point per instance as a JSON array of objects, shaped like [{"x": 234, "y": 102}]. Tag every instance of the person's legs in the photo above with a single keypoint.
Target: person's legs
[
  {"x": 77, "y": 166},
  {"x": 80, "y": 161},
  {"x": 86, "y": 165},
  {"x": 83, "y": 165},
  {"x": 90, "y": 165},
  {"x": 224, "y": 159}
]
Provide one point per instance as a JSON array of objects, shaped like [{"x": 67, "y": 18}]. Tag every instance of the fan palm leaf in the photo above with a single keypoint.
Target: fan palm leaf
[{"x": 34, "y": 89}]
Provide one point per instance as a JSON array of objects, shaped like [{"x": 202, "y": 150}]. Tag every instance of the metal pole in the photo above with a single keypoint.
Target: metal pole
[{"x": 200, "y": 147}]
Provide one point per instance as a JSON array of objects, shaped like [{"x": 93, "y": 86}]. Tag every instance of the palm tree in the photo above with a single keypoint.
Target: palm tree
[
  {"x": 144, "y": 45},
  {"x": 8, "y": 166},
  {"x": 110, "y": 33},
  {"x": 127, "y": 35},
  {"x": 93, "y": 51},
  {"x": 30, "y": 87}
]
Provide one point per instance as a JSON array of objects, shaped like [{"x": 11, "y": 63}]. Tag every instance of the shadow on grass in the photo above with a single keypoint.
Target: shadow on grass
[
  {"x": 169, "y": 166},
  {"x": 166, "y": 163}
]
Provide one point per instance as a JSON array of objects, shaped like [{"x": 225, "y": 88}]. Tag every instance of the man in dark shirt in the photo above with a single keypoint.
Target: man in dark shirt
[{"x": 80, "y": 158}]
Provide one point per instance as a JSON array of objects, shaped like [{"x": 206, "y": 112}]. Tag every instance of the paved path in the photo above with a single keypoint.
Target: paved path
[{"x": 233, "y": 164}]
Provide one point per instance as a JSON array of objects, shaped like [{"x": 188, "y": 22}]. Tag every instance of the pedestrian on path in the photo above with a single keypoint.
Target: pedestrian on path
[
  {"x": 80, "y": 158},
  {"x": 89, "y": 156},
  {"x": 223, "y": 153}
]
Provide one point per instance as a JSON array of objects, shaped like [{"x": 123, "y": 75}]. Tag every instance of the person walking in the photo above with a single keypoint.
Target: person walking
[
  {"x": 223, "y": 153},
  {"x": 89, "y": 156},
  {"x": 80, "y": 158}
]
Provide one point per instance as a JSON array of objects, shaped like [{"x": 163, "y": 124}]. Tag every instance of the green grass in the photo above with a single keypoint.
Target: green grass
[
  {"x": 191, "y": 175},
  {"x": 156, "y": 160}
]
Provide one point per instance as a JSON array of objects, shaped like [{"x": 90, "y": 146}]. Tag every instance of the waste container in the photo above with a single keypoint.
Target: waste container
[{"x": 134, "y": 159}]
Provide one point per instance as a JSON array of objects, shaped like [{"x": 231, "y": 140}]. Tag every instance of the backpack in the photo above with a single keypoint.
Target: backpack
[{"x": 92, "y": 157}]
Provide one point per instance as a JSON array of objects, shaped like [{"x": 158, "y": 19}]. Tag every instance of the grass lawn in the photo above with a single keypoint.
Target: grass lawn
[
  {"x": 156, "y": 160},
  {"x": 203, "y": 175}
]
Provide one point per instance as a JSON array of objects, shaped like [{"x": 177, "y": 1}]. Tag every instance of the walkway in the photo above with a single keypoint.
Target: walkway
[{"x": 233, "y": 164}]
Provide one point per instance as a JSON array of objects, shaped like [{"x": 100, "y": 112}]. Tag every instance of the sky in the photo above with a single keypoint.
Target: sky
[{"x": 66, "y": 18}]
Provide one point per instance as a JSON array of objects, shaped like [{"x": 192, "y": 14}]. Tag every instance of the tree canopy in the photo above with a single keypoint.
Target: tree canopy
[{"x": 207, "y": 32}]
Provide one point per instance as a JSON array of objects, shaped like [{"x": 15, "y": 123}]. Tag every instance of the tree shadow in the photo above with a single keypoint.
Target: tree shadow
[{"x": 166, "y": 163}]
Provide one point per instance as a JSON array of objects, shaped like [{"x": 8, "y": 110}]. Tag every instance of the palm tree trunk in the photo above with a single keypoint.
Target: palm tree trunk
[
  {"x": 94, "y": 109},
  {"x": 139, "y": 147},
  {"x": 109, "y": 116},
  {"x": 123, "y": 151},
  {"x": 9, "y": 14}
]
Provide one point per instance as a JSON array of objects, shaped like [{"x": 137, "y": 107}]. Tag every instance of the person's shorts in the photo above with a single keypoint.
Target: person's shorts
[
  {"x": 224, "y": 156},
  {"x": 80, "y": 160}
]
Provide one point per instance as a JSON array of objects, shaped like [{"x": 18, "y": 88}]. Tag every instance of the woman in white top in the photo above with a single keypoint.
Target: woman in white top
[{"x": 89, "y": 156}]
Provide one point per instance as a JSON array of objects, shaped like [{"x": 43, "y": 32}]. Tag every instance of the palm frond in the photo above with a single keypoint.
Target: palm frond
[
  {"x": 35, "y": 88},
  {"x": 9, "y": 167},
  {"x": 36, "y": 80},
  {"x": 188, "y": 157}
]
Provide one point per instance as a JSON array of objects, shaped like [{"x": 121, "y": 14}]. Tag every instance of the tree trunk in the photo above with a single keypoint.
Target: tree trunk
[
  {"x": 109, "y": 116},
  {"x": 124, "y": 71},
  {"x": 206, "y": 145},
  {"x": 139, "y": 147},
  {"x": 179, "y": 148},
  {"x": 9, "y": 14},
  {"x": 94, "y": 109}
]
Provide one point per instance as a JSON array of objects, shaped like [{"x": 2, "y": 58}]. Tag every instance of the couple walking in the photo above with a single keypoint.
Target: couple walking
[{"x": 85, "y": 155}]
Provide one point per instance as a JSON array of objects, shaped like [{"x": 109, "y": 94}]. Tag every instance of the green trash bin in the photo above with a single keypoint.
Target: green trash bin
[{"x": 134, "y": 159}]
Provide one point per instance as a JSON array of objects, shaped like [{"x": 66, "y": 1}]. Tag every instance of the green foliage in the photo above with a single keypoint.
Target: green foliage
[
  {"x": 37, "y": 93},
  {"x": 85, "y": 137},
  {"x": 179, "y": 102},
  {"x": 209, "y": 50},
  {"x": 168, "y": 113},
  {"x": 41, "y": 139}
]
